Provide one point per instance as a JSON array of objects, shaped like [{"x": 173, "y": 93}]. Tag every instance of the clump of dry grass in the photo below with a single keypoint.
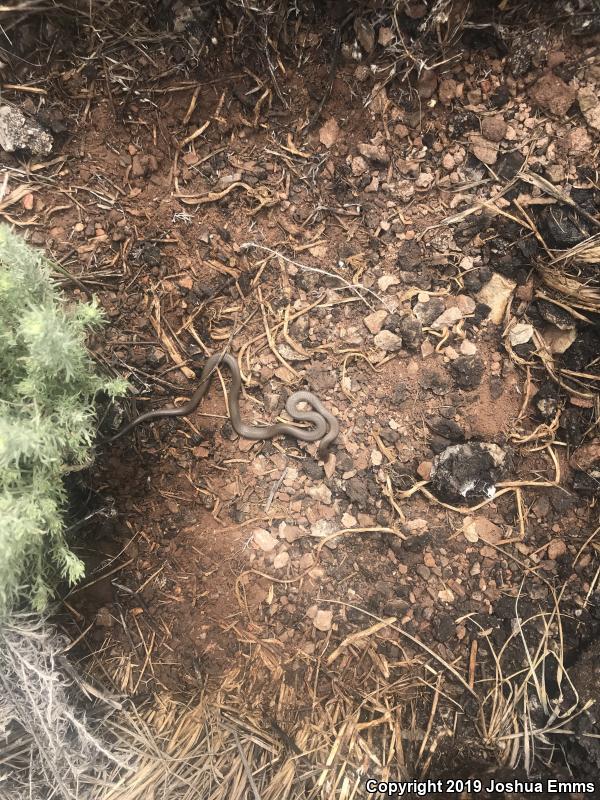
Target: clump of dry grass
[{"x": 49, "y": 745}]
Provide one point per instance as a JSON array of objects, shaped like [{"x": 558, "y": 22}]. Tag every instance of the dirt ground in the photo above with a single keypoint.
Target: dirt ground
[{"x": 204, "y": 215}]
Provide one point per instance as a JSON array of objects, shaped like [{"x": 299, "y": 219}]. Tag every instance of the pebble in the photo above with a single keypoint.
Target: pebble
[
  {"x": 384, "y": 284},
  {"x": 484, "y": 150},
  {"x": 467, "y": 348},
  {"x": 323, "y": 620},
  {"x": 448, "y": 318},
  {"x": 447, "y": 91},
  {"x": 264, "y": 540},
  {"x": 494, "y": 128},
  {"x": 448, "y": 162},
  {"x": 281, "y": 560},
  {"x": 388, "y": 341},
  {"x": 556, "y": 549},
  {"x": 424, "y": 470},
  {"x": 552, "y": 94},
  {"x": 374, "y": 321},
  {"x": 320, "y": 493},
  {"x": 424, "y": 180}
]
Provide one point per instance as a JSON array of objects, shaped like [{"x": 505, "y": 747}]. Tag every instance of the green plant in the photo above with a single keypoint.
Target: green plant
[{"x": 47, "y": 422}]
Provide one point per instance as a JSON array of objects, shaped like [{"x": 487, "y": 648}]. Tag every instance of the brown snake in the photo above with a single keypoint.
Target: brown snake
[{"x": 325, "y": 425}]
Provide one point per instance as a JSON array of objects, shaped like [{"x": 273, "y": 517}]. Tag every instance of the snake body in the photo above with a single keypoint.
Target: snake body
[{"x": 325, "y": 425}]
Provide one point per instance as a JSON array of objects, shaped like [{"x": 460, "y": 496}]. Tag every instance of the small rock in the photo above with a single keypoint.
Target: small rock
[
  {"x": 281, "y": 560},
  {"x": 424, "y": 470},
  {"x": 20, "y": 132},
  {"x": 485, "y": 151},
  {"x": 467, "y": 348},
  {"x": 428, "y": 311},
  {"x": 520, "y": 333},
  {"x": 427, "y": 84},
  {"x": 359, "y": 166},
  {"x": 374, "y": 152},
  {"x": 448, "y": 162},
  {"x": 496, "y": 294},
  {"x": 264, "y": 540},
  {"x": 405, "y": 191},
  {"x": 447, "y": 319},
  {"x": 476, "y": 528},
  {"x": 493, "y": 128},
  {"x": 385, "y": 36},
  {"x": 290, "y": 533},
  {"x": 321, "y": 493},
  {"x": 329, "y": 132},
  {"x": 388, "y": 341},
  {"x": 552, "y": 94},
  {"x": 577, "y": 141},
  {"x": 465, "y": 303},
  {"x": 447, "y": 91},
  {"x": 374, "y": 321},
  {"x": 424, "y": 180},
  {"x": 323, "y": 620},
  {"x": 385, "y": 282},
  {"x": 590, "y": 106},
  {"x": 556, "y": 549}
]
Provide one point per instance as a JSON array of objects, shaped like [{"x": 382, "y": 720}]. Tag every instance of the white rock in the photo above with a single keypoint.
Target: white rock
[
  {"x": 374, "y": 321},
  {"x": 447, "y": 318},
  {"x": 386, "y": 281},
  {"x": 388, "y": 341},
  {"x": 320, "y": 493},
  {"x": 323, "y": 620},
  {"x": 19, "y": 132},
  {"x": 264, "y": 540},
  {"x": 558, "y": 341},
  {"x": 521, "y": 333},
  {"x": 281, "y": 560},
  {"x": 496, "y": 294},
  {"x": 467, "y": 348}
]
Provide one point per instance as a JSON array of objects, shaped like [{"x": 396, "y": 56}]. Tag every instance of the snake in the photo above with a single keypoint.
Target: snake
[{"x": 324, "y": 425}]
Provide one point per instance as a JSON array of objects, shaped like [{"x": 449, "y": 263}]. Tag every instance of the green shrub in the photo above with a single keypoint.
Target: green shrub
[{"x": 47, "y": 422}]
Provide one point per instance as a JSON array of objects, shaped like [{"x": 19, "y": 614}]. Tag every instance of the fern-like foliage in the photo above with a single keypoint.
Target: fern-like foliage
[{"x": 47, "y": 423}]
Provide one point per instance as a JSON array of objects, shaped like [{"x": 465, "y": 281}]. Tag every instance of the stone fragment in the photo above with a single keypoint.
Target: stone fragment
[
  {"x": 329, "y": 132},
  {"x": 427, "y": 84},
  {"x": 21, "y": 132},
  {"x": 365, "y": 34},
  {"x": 494, "y": 128},
  {"x": 476, "y": 528},
  {"x": 556, "y": 549},
  {"x": 323, "y": 620},
  {"x": 589, "y": 103},
  {"x": 521, "y": 333},
  {"x": 388, "y": 341},
  {"x": 281, "y": 560},
  {"x": 468, "y": 473},
  {"x": 496, "y": 294},
  {"x": 447, "y": 319},
  {"x": 374, "y": 152},
  {"x": 552, "y": 94},
  {"x": 374, "y": 321},
  {"x": 484, "y": 150},
  {"x": 264, "y": 540},
  {"x": 447, "y": 91}
]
